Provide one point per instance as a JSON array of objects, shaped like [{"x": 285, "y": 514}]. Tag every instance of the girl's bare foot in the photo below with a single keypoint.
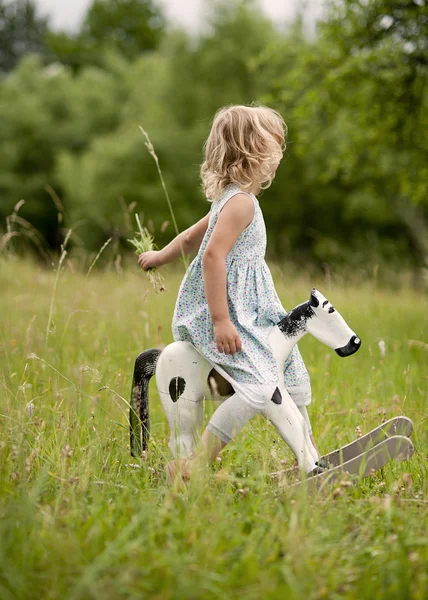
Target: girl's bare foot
[{"x": 178, "y": 468}]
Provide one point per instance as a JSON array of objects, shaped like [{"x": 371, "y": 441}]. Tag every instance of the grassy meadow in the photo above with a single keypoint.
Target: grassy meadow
[{"x": 81, "y": 519}]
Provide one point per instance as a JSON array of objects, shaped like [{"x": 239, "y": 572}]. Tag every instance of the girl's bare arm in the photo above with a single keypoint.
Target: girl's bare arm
[
  {"x": 233, "y": 219},
  {"x": 186, "y": 242}
]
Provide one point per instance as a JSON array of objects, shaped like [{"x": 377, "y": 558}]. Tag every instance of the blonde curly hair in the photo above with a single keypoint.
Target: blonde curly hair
[{"x": 244, "y": 147}]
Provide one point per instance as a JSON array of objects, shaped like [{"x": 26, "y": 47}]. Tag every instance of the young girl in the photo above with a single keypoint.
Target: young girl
[{"x": 227, "y": 303}]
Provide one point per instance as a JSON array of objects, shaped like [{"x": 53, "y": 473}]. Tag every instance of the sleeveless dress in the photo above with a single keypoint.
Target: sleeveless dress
[{"x": 254, "y": 308}]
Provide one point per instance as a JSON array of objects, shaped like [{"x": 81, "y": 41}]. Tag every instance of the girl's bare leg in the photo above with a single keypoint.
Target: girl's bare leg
[
  {"x": 209, "y": 448},
  {"x": 228, "y": 420}
]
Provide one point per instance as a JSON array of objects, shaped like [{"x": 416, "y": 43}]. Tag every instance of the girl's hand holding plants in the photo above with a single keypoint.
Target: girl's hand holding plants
[
  {"x": 227, "y": 337},
  {"x": 149, "y": 260},
  {"x": 148, "y": 257}
]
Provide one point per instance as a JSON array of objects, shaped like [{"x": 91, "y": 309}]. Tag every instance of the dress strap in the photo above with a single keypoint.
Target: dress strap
[{"x": 230, "y": 191}]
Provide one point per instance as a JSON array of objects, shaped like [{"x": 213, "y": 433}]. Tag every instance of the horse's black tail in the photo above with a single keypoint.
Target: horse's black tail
[{"x": 139, "y": 420}]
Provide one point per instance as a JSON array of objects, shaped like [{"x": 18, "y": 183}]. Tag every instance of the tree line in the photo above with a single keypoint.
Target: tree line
[{"x": 351, "y": 189}]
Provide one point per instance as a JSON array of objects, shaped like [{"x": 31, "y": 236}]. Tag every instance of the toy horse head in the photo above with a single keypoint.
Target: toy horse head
[
  {"x": 329, "y": 327},
  {"x": 319, "y": 318}
]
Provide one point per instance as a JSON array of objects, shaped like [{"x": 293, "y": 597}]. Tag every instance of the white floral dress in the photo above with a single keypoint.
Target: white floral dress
[{"x": 254, "y": 308}]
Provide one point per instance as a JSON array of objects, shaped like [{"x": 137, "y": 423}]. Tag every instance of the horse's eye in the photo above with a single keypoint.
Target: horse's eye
[{"x": 331, "y": 309}]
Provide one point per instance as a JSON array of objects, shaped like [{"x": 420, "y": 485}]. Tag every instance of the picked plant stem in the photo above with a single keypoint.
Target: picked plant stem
[
  {"x": 144, "y": 242},
  {"x": 151, "y": 150}
]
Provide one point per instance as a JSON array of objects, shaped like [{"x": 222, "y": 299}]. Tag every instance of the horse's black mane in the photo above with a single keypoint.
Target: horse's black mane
[{"x": 296, "y": 319}]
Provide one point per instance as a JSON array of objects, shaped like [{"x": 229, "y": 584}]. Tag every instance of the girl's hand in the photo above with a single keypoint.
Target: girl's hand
[
  {"x": 227, "y": 337},
  {"x": 150, "y": 259}
]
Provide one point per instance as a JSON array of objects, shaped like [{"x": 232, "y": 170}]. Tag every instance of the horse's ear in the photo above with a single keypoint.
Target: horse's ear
[{"x": 313, "y": 300}]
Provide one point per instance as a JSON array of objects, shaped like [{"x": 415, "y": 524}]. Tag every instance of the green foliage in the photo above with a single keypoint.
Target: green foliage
[
  {"x": 87, "y": 523},
  {"x": 352, "y": 187},
  {"x": 72, "y": 50},
  {"x": 129, "y": 27},
  {"x": 356, "y": 102},
  {"x": 22, "y": 31},
  {"x": 46, "y": 110}
]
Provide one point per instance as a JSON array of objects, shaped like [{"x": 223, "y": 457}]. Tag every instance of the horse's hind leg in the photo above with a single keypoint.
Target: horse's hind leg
[
  {"x": 293, "y": 429},
  {"x": 180, "y": 376},
  {"x": 184, "y": 416}
]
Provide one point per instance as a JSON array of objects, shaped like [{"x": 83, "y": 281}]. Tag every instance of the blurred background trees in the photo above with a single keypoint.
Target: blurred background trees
[
  {"x": 129, "y": 27},
  {"x": 351, "y": 189},
  {"x": 22, "y": 31}
]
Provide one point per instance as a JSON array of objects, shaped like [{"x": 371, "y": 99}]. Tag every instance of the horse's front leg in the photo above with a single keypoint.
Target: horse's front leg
[
  {"x": 293, "y": 429},
  {"x": 180, "y": 375}
]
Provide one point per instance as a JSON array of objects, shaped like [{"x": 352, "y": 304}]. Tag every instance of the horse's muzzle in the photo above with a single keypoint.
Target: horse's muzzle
[{"x": 351, "y": 347}]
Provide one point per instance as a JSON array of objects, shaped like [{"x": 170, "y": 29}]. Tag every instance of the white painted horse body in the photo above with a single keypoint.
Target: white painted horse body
[{"x": 185, "y": 378}]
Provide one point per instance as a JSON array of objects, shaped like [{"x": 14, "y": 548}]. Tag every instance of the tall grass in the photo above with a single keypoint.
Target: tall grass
[{"x": 81, "y": 519}]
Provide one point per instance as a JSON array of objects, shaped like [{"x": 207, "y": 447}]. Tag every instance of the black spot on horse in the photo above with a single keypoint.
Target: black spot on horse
[
  {"x": 277, "y": 398},
  {"x": 313, "y": 300},
  {"x": 177, "y": 385}
]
